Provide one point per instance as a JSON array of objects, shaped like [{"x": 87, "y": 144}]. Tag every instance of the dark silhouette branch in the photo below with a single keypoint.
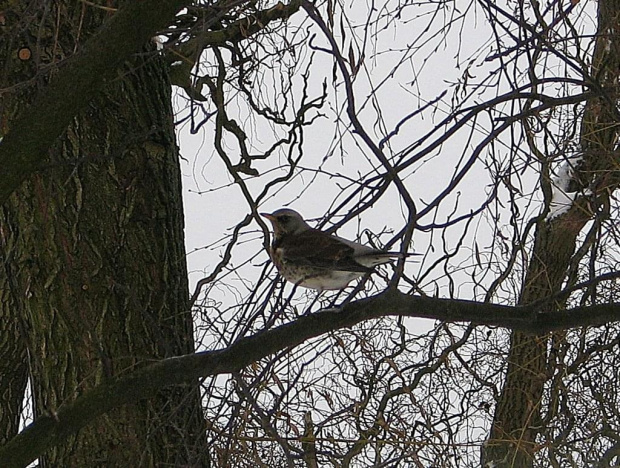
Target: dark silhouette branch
[
  {"x": 186, "y": 370},
  {"x": 186, "y": 54}
]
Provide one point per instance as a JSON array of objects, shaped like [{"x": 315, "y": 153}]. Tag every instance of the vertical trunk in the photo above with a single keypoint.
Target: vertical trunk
[
  {"x": 512, "y": 440},
  {"x": 516, "y": 423},
  {"x": 92, "y": 245},
  {"x": 13, "y": 361}
]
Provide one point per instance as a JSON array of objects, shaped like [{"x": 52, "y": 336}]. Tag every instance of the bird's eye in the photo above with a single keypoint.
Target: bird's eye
[{"x": 284, "y": 218}]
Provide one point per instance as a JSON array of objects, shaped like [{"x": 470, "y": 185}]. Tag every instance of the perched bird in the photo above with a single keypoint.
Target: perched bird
[{"x": 315, "y": 259}]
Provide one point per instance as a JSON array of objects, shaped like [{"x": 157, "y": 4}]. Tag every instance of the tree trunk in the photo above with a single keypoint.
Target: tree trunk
[
  {"x": 13, "y": 360},
  {"x": 516, "y": 422},
  {"x": 512, "y": 441},
  {"x": 94, "y": 280}
]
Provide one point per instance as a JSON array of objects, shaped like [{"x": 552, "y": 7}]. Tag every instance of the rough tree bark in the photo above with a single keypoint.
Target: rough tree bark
[
  {"x": 94, "y": 280},
  {"x": 513, "y": 437}
]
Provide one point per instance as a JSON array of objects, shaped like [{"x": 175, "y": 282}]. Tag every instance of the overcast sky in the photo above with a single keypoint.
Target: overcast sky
[{"x": 408, "y": 63}]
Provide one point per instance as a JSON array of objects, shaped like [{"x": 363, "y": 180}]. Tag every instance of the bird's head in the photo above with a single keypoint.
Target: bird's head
[{"x": 286, "y": 221}]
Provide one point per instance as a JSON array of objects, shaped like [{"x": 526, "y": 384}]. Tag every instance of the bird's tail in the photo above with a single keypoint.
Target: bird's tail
[{"x": 379, "y": 258}]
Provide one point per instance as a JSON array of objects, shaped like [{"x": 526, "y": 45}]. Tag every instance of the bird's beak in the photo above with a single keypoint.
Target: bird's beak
[{"x": 269, "y": 216}]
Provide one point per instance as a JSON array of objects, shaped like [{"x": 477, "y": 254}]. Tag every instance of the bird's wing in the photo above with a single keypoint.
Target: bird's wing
[{"x": 320, "y": 250}]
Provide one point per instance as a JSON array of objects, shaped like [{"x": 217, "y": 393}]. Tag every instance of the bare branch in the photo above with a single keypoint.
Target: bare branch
[{"x": 186, "y": 370}]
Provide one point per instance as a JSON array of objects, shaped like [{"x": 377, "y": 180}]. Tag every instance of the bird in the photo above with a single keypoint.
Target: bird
[{"x": 315, "y": 259}]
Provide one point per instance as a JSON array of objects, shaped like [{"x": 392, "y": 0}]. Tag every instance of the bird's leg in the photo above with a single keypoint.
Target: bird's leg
[{"x": 357, "y": 289}]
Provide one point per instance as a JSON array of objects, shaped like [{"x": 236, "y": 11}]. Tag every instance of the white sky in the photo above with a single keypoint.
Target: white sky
[
  {"x": 435, "y": 61},
  {"x": 209, "y": 215}
]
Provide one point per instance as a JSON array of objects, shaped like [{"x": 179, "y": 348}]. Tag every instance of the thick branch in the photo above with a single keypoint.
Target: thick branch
[
  {"x": 238, "y": 30},
  {"x": 186, "y": 370},
  {"x": 25, "y": 146},
  {"x": 186, "y": 54}
]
